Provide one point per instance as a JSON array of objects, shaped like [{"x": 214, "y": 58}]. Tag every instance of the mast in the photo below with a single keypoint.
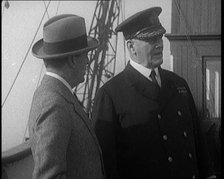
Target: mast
[{"x": 102, "y": 61}]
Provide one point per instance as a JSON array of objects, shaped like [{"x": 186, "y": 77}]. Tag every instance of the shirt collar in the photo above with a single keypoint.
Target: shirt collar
[
  {"x": 143, "y": 70},
  {"x": 54, "y": 75}
]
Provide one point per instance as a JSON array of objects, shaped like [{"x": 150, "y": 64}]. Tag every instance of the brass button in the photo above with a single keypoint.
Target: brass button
[
  {"x": 159, "y": 116},
  {"x": 164, "y": 137},
  {"x": 170, "y": 159},
  {"x": 185, "y": 134},
  {"x": 179, "y": 113},
  {"x": 190, "y": 155}
]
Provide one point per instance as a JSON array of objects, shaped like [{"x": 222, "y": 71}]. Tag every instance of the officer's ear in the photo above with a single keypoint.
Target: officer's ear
[{"x": 131, "y": 47}]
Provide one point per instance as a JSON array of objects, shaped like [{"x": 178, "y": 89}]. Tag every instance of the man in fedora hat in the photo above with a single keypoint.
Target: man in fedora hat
[
  {"x": 145, "y": 117},
  {"x": 62, "y": 139}
]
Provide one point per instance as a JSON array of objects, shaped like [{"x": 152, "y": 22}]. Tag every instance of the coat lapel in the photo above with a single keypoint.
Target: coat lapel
[
  {"x": 146, "y": 88},
  {"x": 143, "y": 85},
  {"x": 82, "y": 114},
  {"x": 168, "y": 89}
]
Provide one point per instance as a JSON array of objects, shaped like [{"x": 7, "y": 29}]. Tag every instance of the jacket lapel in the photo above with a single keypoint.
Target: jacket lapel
[
  {"x": 143, "y": 85},
  {"x": 147, "y": 89},
  {"x": 82, "y": 114},
  {"x": 168, "y": 88}
]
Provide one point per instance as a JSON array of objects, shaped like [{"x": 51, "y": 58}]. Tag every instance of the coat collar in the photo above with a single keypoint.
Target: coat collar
[
  {"x": 145, "y": 87},
  {"x": 57, "y": 86}
]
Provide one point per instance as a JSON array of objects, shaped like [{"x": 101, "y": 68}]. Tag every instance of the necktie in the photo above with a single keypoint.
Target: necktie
[{"x": 153, "y": 77}]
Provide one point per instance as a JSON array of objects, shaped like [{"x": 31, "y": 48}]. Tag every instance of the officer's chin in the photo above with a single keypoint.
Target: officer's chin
[{"x": 157, "y": 62}]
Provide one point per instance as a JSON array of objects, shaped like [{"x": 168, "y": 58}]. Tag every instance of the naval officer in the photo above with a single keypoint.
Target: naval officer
[{"x": 145, "y": 117}]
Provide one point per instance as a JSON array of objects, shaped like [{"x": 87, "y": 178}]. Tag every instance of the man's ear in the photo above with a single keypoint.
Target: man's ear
[
  {"x": 72, "y": 61},
  {"x": 131, "y": 47}
]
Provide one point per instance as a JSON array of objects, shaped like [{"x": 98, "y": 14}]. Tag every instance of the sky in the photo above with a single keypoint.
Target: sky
[{"x": 20, "y": 23}]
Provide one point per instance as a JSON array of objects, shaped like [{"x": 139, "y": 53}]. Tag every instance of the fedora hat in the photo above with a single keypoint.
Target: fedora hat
[
  {"x": 142, "y": 25},
  {"x": 64, "y": 35}
]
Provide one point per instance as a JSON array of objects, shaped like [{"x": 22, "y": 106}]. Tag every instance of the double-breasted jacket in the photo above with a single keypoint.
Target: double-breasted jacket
[{"x": 149, "y": 132}]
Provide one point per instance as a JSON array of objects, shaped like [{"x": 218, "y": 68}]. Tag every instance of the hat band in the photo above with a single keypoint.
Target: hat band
[
  {"x": 66, "y": 45},
  {"x": 149, "y": 32},
  {"x": 149, "y": 35}
]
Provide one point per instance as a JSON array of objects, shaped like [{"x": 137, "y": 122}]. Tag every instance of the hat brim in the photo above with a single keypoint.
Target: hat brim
[{"x": 38, "y": 51}]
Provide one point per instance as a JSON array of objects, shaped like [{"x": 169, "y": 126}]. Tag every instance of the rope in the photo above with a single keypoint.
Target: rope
[
  {"x": 187, "y": 29},
  {"x": 58, "y": 7},
  {"x": 124, "y": 43},
  {"x": 24, "y": 59},
  {"x": 43, "y": 62},
  {"x": 46, "y": 9},
  {"x": 41, "y": 67},
  {"x": 39, "y": 79},
  {"x": 195, "y": 51}
]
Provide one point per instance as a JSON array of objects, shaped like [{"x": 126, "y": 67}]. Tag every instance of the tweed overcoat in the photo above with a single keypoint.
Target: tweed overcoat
[
  {"x": 149, "y": 132},
  {"x": 63, "y": 142}
]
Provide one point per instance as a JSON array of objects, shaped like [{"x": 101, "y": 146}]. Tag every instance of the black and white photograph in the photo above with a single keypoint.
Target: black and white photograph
[{"x": 111, "y": 89}]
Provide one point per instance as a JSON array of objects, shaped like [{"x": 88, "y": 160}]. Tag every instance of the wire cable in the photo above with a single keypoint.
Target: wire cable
[
  {"x": 24, "y": 58},
  {"x": 41, "y": 71},
  {"x": 187, "y": 27},
  {"x": 42, "y": 67},
  {"x": 46, "y": 9},
  {"x": 124, "y": 43},
  {"x": 58, "y": 7}
]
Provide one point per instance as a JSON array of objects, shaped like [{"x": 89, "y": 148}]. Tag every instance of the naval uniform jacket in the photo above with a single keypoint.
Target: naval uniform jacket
[
  {"x": 63, "y": 142},
  {"x": 147, "y": 132}
]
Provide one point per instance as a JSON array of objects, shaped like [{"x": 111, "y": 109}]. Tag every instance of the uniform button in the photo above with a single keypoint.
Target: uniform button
[
  {"x": 170, "y": 159},
  {"x": 185, "y": 134},
  {"x": 179, "y": 113},
  {"x": 164, "y": 137},
  {"x": 190, "y": 155},
  {"x": 193, "y": 177},
  {"x": 159, "y": 116}
]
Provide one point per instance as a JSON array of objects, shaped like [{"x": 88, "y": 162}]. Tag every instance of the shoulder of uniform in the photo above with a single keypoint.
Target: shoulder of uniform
[
  {"x": 114, "y": 81},
  {"x": 113, "y": 84},
  {"x": 173, "y": 76}
]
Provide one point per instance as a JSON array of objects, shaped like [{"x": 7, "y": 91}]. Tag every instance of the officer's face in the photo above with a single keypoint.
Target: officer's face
[{"x": 149, "y": 53}]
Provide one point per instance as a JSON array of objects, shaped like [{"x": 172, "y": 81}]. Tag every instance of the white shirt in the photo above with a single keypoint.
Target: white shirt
[
  {"x": 145, "y": 71},
  {"x": 54, "y": 75}
]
